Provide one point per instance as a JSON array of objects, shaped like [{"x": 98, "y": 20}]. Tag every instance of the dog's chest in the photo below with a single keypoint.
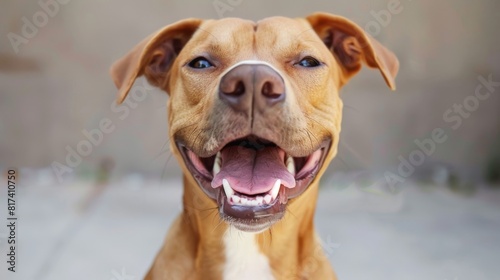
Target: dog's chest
[{"x": 244, "y": 261}]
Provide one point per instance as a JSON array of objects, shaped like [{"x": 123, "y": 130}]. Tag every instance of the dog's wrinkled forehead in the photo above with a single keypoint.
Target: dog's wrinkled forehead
[{"x": 275, "y": 37}]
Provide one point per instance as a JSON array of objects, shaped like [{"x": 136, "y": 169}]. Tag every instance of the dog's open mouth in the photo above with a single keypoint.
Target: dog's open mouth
[{"x": 252, "y": 179}]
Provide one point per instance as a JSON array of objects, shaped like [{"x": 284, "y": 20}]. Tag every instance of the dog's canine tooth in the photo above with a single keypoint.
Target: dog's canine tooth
[
  {"x": 276, "y": 188},
  {"x": 227, "y": 188},
  {"x": 290, "y": 164},
  {"x": 217, "y": 163}
]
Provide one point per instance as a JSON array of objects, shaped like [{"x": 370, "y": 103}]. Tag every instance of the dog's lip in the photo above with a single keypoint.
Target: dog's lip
[
  {"x": 256, "y": 217},
  {"x": 207, "y": 174},
  {"x": 205, "y": 177},
  {"x": 250, "y": 219},
  {"x": 221, "y": 145}
]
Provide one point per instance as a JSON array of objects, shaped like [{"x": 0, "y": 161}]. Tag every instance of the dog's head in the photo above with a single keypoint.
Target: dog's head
[{"x": 254, "y": 108}]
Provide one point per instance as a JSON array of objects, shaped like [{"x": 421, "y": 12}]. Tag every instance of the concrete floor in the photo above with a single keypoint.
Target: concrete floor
[{"x": 418, "y": 233}]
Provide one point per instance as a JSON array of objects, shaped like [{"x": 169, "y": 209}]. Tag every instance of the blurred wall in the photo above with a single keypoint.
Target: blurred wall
[{"x": 57, "y": 83}]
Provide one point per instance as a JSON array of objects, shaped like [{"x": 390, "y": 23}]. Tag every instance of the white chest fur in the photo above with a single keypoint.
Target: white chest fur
[{"x": 244, "y": 261}]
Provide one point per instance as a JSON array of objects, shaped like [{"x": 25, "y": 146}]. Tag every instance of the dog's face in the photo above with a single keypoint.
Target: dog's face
[{"x": 254, "y": 108}]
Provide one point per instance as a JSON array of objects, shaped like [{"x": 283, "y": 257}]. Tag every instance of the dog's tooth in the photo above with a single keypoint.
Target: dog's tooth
[
  {"x": 244, "y": 201},
  {"x": 216, "y": 168},
  {"x": 227, "y": 188},
  {"x": 276, "y": 188},
  {"x": 259, "y": 199},
  {"x": 217, "y": 163},
  {"x": 290, "y": 164},
  {"x": 236, "y": 199},
  {"x": 267, "y": 198}
]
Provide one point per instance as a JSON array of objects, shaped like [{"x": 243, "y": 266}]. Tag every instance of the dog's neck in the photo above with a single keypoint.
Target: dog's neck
[{"x": 221, "y": 251}]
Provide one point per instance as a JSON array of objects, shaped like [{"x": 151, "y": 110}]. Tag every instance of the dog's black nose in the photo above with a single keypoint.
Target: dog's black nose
[{"x": 248, "y": 84}]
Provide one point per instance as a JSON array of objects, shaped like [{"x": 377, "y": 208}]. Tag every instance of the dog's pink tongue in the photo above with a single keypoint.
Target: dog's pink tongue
[{"x": 250, "y": 171}]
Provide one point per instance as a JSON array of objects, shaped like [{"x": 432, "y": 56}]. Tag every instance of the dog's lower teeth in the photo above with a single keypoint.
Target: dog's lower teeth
[{"x": 258, "y": 200}]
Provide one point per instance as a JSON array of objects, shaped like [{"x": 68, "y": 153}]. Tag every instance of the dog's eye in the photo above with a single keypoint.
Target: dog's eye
[
  {"x": 309, "y": 62},
  {"x": 200, "y": 63}
]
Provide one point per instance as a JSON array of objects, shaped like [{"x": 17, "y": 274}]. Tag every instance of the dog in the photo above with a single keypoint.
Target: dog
[{"x": 254, "y": 117}]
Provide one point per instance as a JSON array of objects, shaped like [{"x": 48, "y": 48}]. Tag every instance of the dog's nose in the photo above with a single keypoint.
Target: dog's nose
[{"x": 252, "y": 83}]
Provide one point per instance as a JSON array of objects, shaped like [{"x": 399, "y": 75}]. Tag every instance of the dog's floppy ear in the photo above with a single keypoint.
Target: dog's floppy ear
[
  {"x": 153, "y": 57},
  {"x": 351, "y": 45}
]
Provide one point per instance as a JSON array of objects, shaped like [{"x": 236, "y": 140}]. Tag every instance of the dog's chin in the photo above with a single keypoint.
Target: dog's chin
[{"x": 252, "y": 180}]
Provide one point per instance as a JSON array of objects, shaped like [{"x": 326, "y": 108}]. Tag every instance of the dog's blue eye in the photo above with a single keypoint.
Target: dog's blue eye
[
  {"x": 200, "y": 63},
  {"x": 309, "y": 62}
]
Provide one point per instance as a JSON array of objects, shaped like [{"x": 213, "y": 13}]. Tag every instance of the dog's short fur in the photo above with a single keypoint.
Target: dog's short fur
[{"x": 264, "y": 92}]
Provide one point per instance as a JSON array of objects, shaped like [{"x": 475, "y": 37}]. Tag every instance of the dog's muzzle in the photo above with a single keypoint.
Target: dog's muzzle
[{"x": 250, "y": 177}]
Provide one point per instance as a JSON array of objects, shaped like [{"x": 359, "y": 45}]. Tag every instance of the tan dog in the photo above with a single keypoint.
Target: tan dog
[{"x": 254, "y": 114}]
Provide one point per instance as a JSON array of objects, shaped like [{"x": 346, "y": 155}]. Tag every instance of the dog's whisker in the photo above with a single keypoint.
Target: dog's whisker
[
  {"x": 160, "y": 154},
  {"x": 270, "y": 235},
  {"x": 164, "y": 170},
  {"x": 352, "y": 108},
  {"x": 169, "y": 139},
  {"x": 198, "y": 137},
  {"x": 317, "y": 122},
  {"x": 215, "y": 228},
  {"x": 310, "y": 139},
  {"x": 313, "y": 135},
  {"x": 215, "y": 216},
  {"x": 339, "y": 156},
  {"x": 212, "y": 212},
  {"x": 209, "y": 210},
  {"x": 356, "y": 155},
  {"x": 165, "y": 144},
  {"x": 200, "y": 209},
  {"x": 291, "y": 213}
]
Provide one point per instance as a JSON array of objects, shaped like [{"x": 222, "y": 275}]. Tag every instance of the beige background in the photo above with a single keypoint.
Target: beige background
[{"x": 58, "y": 83}]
